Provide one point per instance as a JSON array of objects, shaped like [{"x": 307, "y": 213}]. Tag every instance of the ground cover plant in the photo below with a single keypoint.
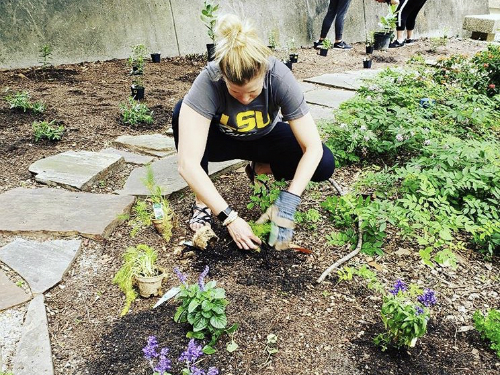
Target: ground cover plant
[{"x": 288, "y": 323}]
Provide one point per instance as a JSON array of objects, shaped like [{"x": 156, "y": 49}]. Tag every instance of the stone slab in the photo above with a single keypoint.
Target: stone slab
[
  {"x": 151, "y": 144},
  {"x": 77, "y": 169},
  {"x": 321, "y": 113},
  {"x": 10, "y": 294},
  {"x": 482, "y": 23},
  {"x": 41, "y": 264},
  {"x": 307, "y": 86},
  {"x": 166, "y": 176},
  {"x": 11, "y": 325},
  {"x": 129, "y": 157},
  {"x": 34, "y": 355},
  {"x": 60, "y": 212},
  {"x": 351, "y": 80},
  {"x": 331, "y": 98}
]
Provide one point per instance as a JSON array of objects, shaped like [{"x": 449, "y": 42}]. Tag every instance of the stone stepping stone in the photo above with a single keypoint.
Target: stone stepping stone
[
  {"x": 306, "y": 86},
  {"x": 10, "y": 294},
  {"x": 34, "y": 355},
  {"x": 351, "y": 80},
  {"x": 130, "y": 157},
  {"x": 41, "y": 264},
  {"x": 331, "y": 98},
  {"x": 321, "y": 113},
  {"x": 166, "y": 176},
  {"x": 77, "y": 169},
  {"x": 60, "y": 212},
  {"x": 151, "y": 144}
]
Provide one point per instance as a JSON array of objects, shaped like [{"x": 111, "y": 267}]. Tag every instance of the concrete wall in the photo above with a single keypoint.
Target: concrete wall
[{"x": 89, "y": 30}]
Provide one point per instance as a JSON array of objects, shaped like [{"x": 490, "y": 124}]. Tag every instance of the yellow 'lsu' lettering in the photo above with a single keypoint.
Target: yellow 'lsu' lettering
[{"x": 247, "y": 121}]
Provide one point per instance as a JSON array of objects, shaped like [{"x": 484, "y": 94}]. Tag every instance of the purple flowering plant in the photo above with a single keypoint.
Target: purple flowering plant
[
  {"x": 203, "y": 306},
  {"x": 162, "y": 365},
  {"x": 405, "y": 312}
]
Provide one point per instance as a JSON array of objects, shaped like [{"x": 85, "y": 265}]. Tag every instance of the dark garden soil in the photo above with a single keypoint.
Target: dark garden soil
[{"x": 323, "y": 328}]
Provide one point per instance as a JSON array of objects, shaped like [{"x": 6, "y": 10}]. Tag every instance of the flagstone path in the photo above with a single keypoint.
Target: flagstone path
[{"x": 65, "y": 209}]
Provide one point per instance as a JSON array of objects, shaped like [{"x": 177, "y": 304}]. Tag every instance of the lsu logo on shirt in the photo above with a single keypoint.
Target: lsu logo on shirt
[{"x": 247, "y": 121}]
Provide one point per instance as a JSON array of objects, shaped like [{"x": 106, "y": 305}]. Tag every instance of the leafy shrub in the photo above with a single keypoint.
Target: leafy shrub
[
  {"x": 47, "y": 130},
  {"x": 265, "y": 192},
  {"x": 203, "y": 307},
  {"x": 489, "y": 327},
  {"x": 136, "y": 113},
  {"x": 22, "y": 100}
]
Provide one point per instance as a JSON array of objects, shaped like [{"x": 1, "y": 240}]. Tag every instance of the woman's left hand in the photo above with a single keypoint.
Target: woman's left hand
[{"x": 243, "y": 235}]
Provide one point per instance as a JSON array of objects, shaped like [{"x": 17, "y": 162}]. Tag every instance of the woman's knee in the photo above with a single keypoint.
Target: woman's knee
[{"x": 325, "y": 167}]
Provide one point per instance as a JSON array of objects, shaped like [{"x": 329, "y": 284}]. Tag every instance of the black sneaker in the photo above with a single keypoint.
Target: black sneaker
[
  {"x": 410, "y": 41},
  {"x": 396, "y": 44},
  {"x": 317, "y": 44},
  {"x": 342, "y": 45}
]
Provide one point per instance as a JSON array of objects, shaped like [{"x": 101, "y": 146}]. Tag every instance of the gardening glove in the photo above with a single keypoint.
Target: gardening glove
[{"x": 281, "y": 214}]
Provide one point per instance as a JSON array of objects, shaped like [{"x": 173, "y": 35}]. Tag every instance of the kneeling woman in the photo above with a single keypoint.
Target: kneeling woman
[{"x": 247, "y": 105}]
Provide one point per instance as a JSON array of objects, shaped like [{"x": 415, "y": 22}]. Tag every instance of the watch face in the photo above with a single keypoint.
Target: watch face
[{"x": 224, "y": 214}]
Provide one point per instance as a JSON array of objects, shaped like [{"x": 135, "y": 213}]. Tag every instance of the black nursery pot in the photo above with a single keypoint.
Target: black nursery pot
[
  {"x": 294, "y": 57},
  {"x": 367, "y": 64},
  {"x": 369, "y": 49},
  {"x": 210, "y": 52},
  {"x": 323, "y": 52},
  {"x": 289, "y": 64},
  {"x": 381, "y": 40},
  {"x": 137, "y": 92},
  {"x": 155, "y": 57}
]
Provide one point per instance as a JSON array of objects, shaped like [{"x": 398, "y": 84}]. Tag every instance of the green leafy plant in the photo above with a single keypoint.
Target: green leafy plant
[
  {"x": 405, "y": 312},
  {"x": 204, "y": 308},
  {"x": 45, "y": 53},
  {"x": 489, "y": 327},
  {"x": 388, "y": 22},
  {"x": 265, "y": 192},
  {"x": 272, "y": 39},
  {"x": 22, "y": 100},
  {"x": 47, "y": 130},
  {"x": 209, "y": 18},
  {"x": 140, "y": 217},
  {"x": 135, "y": 113},
  {"x": 311, "y": 217},
  {"x": 137, "y": 261},
  {"x": 325, "y": 44},
  {"x": 137, "y": 59}
]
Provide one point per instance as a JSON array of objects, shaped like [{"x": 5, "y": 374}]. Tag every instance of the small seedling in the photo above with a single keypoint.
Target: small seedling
[
  {"x": 45, "y": 53},
  {"x": 22, "y": 100},
  {"x": 135, "y": 113},
  {"x": 47, "y": 130},
  {"x": 271, "y": 346}
]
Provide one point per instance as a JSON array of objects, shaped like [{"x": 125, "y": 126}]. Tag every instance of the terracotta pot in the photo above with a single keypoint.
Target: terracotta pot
[{"x": 149, "y": 285}]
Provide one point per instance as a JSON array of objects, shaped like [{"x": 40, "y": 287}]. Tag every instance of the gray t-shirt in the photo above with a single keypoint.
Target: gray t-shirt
[{"x": 210, "y": 98}]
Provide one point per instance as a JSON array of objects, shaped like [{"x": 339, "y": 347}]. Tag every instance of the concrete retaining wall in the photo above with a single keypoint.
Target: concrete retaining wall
[{"x": 89, "y": 30}]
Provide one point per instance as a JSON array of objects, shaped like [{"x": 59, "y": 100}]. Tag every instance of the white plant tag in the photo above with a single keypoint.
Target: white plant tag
[{"x": 158, "y": 211}]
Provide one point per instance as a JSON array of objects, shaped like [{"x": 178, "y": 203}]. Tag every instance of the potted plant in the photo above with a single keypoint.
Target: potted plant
[
  {"x": 209, "y": 18},
  {"x": 137, "y": 88},
  {"x": 369, "y": 44},
  {"x": 162, "y": 214},
  {"x": 137, "y": 59},
  {"x": 382, "y": 37},
  {"x": 293, "y": 56},
  {"x": 156, "y": 57},
  {"x": 139, "y": 267},
  {"x": 325, "y": 45},
  {"x": 367, "y": 63}
]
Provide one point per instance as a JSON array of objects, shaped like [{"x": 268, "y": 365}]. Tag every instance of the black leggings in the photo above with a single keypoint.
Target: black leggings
[
  {"x": 279, "y": 148},
  {"x": 408, "y": 11},
  {"x": 336, "y": 10}
]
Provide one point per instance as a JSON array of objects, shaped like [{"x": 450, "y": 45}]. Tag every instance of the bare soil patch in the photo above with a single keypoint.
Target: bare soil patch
[{"x": 321, "y": 329}]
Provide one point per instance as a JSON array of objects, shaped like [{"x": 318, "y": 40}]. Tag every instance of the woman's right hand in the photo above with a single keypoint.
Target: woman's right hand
[{"x": 243, "y": 235}]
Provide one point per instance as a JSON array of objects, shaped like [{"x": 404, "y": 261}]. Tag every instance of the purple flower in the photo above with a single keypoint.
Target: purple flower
[
  {"x": 201, "y": 279},
  {"x": 150, "y": 349},
  {"x": 427, "y": 299},
  {"x": 181, "y": 276},
  {"x": 213, "y": 371},
  {"x": 418, "y": 310},
  {"x": 193, "y": 370},
  {"x": 192, "y": 353},
  {"x": 399, "y": 286},
  {"x": 164, "y": 364}
]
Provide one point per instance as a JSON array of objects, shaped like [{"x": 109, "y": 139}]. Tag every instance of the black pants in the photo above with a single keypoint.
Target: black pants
[
  {"x": 279, "y": 148},
  {"x": 408, "y": 11},
  {"x": 336, "y": 10}
]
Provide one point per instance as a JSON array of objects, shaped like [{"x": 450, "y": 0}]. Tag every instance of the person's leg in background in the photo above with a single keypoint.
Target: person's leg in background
[
  {"x": 403, "y": 11},
  {"x": 327, "y": 21},
  {"x": 342, "y": 7},
  {"x": 410, "y": 21}
]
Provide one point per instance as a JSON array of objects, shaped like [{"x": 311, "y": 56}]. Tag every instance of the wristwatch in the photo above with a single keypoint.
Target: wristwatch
[{"x": 224, "y": 214}]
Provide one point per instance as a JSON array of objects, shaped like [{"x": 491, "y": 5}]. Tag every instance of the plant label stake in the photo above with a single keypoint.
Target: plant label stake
[
  {"x": 170, "y": 294},
  {"x": 158, "y": 211}
]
